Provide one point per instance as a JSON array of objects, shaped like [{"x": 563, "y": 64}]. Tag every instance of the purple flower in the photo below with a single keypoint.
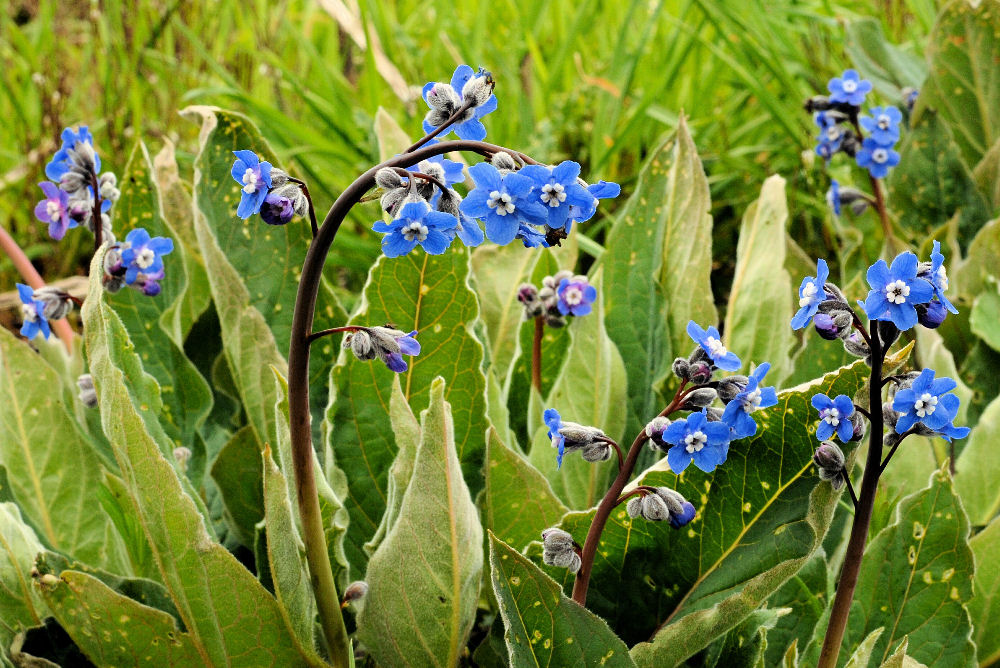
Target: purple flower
[
  {"x": 254, "y": 178},
  {"x": 849, "y": 88},
  {"x": 144, "y": 255},
  {"x": 711, "y": 343},
  {"x": 445, "y": 99},
  {"x": 575, "y": 296},
  {"x": 54, "y": 210},
  {"x": 752, "y": 398},
  {"x": 417, "y": 224},
  {"x": 896, "y": 291},
  {"x": 883, "y": 124},
  {"x": 276, "y": 209},
  {"x": 558, "y": 190},
  {"x": 33, "y": 312},
  {"x": 62, "y": 160},
  {"x": 698, "y": 440},
  {"x": 504, "y": 202},
  {"x": 811, "y": 293},
  {"x": 835, "y": 416},
  {"x": 876, "y": 158},
  {"x": 923, "y": 402}
]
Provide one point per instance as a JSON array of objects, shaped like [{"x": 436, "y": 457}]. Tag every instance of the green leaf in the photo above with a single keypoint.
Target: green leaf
[
  {"x": 519, "y": 502},
  {"x": 964, "y": 81},
  {"x": 114, "y": 499},
  {"x": 978, "y": 468},
  {"x": 218, "y": 600},
  {"x": 888, "y": 66},
  {"x": 237, "y": 472},
  {"x": 899, "y": 658},
  {"x": 915, "y": 580},
  {"x": 985, "y": 317},
  {"x": 112, "y": 629},
  {"x": 544, "y": 627},
  {"x": 984, "y": 608},
  {"x": 806, "y": 595},
  {"x": 761, "y": 515},
  {"x": 980, "y": 262},
  {"x": 863, "y": 654},
  {"x": 760, "y": 302},
  {"x": 980, "y": 371},
  {"x": 744, "y": 646},
  {"x": 22, "y": 608},
  {"x": 987, "y": 175},
  {"x": 657, "y": 266},
  {"x": 422, "y": 614},
  {"x": 41, "y": 444},
  {"x": 431, "y": 295}
]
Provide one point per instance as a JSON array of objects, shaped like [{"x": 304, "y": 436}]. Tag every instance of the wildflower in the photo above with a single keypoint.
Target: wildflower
[
  {"x": 576, "y": 296},
  {"x": 531, "y": 237},
  {"x": 144, "y": 255},
  {"x": 569, "y": 436},
  {"x": 599, "y": 190},
  {"x": 833, "y": 197},
  {"x": 254, "y": 178},
  {"x": 882, "y": 125},
  {"x": 849, "y": 88},
  {"x": 936, "y": 274},
  {"x": 832, "y": 134},
  {"x": 557, "y": 188},
  {"x": 467, "y": 86},
  {"x": 77, "y": 151},
  {"x": 698, "y": 440},
  {"x": 896, "y": 290},
  {"x": 811, "y": 293},
  {"x": 923, "y": 401},
  {"x": 661, "y": 504},
  {"x": 835, "y": 416},
  {"x": 467, "y": 229},
  {"x": 58, "y": 303},
  {"x": 560, "y": 550},
  {"x": 504, "y": 202},
  {"x": 711, "y": 342},
  {"x": 276, "y": 209},
  {"x": 829, "y": 459},
  {"x": 385, "y": 343},
  {"x": 752, "y": 398},
  {"x": 931, "y": 314},
  {"x": 416, "y": 224},
  {"x": 54, "y": 210},
  {"x": 33, "y": 312},
  {"x": 876, "y": 158}
]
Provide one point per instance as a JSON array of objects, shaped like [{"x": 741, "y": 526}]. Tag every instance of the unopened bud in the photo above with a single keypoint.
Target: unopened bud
[
  {"x": 655, "y": 429},
  {"x": 559, "y": 549},
  {"x": 829, "y": 460},
  {"x": 932, "y": 314},
  {"x": 817, "y": 103},
  {"x": 888, "y": 332},
  {"x": 634, "y": 507},
  {"x": 856, "y": 345},
  {"x": 713, "y": 414},
  {"x": 730, "y": 386},
  {"x": 889, "y": 416},
  {"x": 478, "y": 88},
  {"x": 700, "y": 372},
  {"x": 832, "y": 326},
  {"x": 387, "y": 179},
  {"x": 554, "y": 320},
  {"x": 504, "y": 161},
  {"x": 596, "y": 452},
  {"x": 527, "y": 294},
  {"x": 182, "y": 456},
  {"x": 860, "y": 426},
  {"x": 88, "y": 394},
  {"x": 360, "y": 343},
  {"x": 680, "y": 368},
  {"x": 57, "y": 302},
  {"x": 354, "y": 592},
  {"x": 392, "y": 200},
  {"x": 72, "y": 181},
  {"x": 654, "y": 508},
  {"x": 449, "y": 203},
  {"x": 699, "y": 398}
]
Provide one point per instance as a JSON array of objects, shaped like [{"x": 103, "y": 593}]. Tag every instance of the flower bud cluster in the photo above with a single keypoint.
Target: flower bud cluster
[
  {"x": 560, "y": 550},
  {"x": 661, "y": 504},
  {"x": 562, "y": 295},
  {"x": 136, "y": 262},
  {"x": 829, "y": 460},
  {"x": 387, "y": 344},
  {"x": 592, "y": 443},
  {"x": 267, "y": 190}
]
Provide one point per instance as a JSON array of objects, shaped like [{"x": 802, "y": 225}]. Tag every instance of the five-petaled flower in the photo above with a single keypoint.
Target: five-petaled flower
[
  {"x": 927, "y": 401},
  {"x": 849, "y": 88},
  {"x": 711, "y": 342},
  {"x": 558, "y": 190},
  {"x": 417, "y": 224},
  {"x": 576, "y": 296},
  {"x": 698, "y": 440},
  {"x": 883, "y": 124},
  {"x": 144, "y": 255},
  {"x": 503, "y": 202},
  {"x": 467, "y": 86},
  {"x": 811, "y": 293},
  {"x": 835, "y": 416},
  {"x": 876, "y": 158},
  {"x": 54, "y": 210},
  {"x": 254, "y": 178},
  {"x": 751, "y": 398},
  {"x": 33, "y": 312},
  {"x": 896, "y": 291},
  {"x": 937, "y": 276}
]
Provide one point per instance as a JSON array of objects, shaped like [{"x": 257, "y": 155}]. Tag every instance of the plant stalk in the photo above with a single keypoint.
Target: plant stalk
[{"x": 536, "y": 353}]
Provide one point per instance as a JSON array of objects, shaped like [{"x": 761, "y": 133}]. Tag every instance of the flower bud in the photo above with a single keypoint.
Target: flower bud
[
  {"x": 681, "y": 368},
  {"x": 685, "y": 517},
  {"x": 817, "y": 103},
  {"x": 730, "y": 386},
  {"x": 360, "y": 343},
  {"x": 554, "y": 320},
  {"x": 449, "y": 203},
  {"x": 931, "y": 315},
  {"x": 113, "y": 284},
  {"x": 580, "y": 436},
  {"x": 634, "y": 507},
  {"x": 504, "y": 161},
  {"x": 654, "y": 508},
  {"x": 654, "y": 430},
  {"x": 88, "y": 394},
  {"x": 392, "y": 200},
  {"x": 699, "y": 372},
  {"x": 829, "y": 460},
  {"x": 889, "y": 416},
  {"x": 559, "y": 549},
  {"x": 478, "y": 88},
  {"x": 831, "y": 327},
  {"x": 443, "y": 98},
  {"x": 57, "y": 302},
  {"x": 527, "y": 294},
  {"x": 596, "y": 452},
  {"x": 699, "y": 398},
  {"x": 860, "y": 426},
  {"x": 72, "y": 181},
  {"x": 387, "y": 179},
  {"x": 354, "y": 592},
  {"x": 856, "y": 345},
  {"x": 713, "y": 414}
]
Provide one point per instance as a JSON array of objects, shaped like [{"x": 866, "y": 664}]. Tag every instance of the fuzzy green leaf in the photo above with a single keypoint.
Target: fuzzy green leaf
[
  {"x": 22, "y": 608},
  {"x": 978, "y": 468},
  {"x": 984, "y": 608},
  {"x": 806, "y": 595},
  {"x": 888, "y": 66},
  {"x": 985, "y": 317}
]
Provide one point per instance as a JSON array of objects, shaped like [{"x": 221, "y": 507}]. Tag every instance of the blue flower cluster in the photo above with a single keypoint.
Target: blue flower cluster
[
  {"x": 137, "y": 262},
  {"x": 266, "y": 190},
  {"x": 877, "y": 153}
]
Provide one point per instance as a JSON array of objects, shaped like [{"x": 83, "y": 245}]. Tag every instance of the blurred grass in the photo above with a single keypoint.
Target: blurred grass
[{"x": 599, "y": 82}]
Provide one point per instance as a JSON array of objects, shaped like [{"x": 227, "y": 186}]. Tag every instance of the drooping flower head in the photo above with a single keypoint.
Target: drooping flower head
[
  {"x": 417, "y": 224},
  {"x": 698, "y": 440},
  {"x": 77, "y": 150},
  {"x": 883, "y": 124},
  {"x": 927, "y": 401},
  {"x": 576, "y": 296},
  {"x": 876, "y": 158},
  {"x": 54, "y": 210},
  {"x": 254, "y": 177},
  {"x": 835, "y": 416},
  {"x": 831, "y": 134},
  {"x": 444, "y": 99},
  {"x": 385, "y": 343},
  {"x": 750, "y": 399},
  {"x": 554, "y": 422},
  {"x": 811, "y": 293},
  {"x": 503, "y": 202},
  {"x": 33, "y": 313},
  {"x": 558, "y": 190},
  {"x": 849, "y": 88},
  {"x": 144, "y": 255},
  {"x": 937, "y": 276},
  {"x": 711, "y": 342},
  {"x": 277, "y": 209},
  {"x": 896, "y": 290}
]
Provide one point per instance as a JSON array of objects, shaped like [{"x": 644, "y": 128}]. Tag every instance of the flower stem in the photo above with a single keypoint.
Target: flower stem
[
  {"x": 536, "y": 354},
  {"x": 883, "y": 212},
  {"x": 333, "y": 330},
  {"x": 98, "y": 223},
  {"x": 862, "y": 516},
  {"x": 608, "y": 504}
]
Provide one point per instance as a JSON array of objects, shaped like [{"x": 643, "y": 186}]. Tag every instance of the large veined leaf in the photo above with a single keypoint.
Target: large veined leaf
[
  {"x": 543, "y": 626},
  {"x": 19, "y": 601},
  {"x": 916, "y": 579},
  {"x": 743, "y": 646},
  {"x": 227, "y": 613},
  {"x": 237, "y": 473},
  {"x": 760, "y": 303},
  {"x": 985, "y": 317},
  {"x": 761, "y": 515},
  {"x": 429, "y": 294},
  {"x": 657, "y": 266},
  {"x": 984, "y": 608},
  {"x": 978, "y": 468},
  {"x": 424, "y": 577},
  {"x": 805, "y": 594},
  {"x": 964, "y": 81},
  {"x": 980, "y": 262},
  {"x": 888, "y": 66},
  {"x": 40, "y": 444}
]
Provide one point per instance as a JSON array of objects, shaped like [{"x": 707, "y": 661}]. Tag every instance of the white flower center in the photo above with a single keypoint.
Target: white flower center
[
  {"x": 695, "y": 442},
  {"x": 250, "y": 180},
  {"x": 925, "y": 405},
  {"x": 751, "y": 402},
  {"x": 833, "y": 133},
  {"x": 942, "y": 278},
  {"x": 849, "y": 85},
  {"x": 832, "y": 416},
  {"x": 573, "y": 296},
  {"x": 808, "y": 294},
  {"x": 897, "y": 292},
  {"x": 884, "y": 121},
  {"x": 501, "y": 202},
  {"x": 29, "y": 313},
  {"x": 880, "y": 155},
  {"x": 144, "y": 258},
  {"x": 553, "y": 194},
  {"x": 715, "y": 347},
  {"x": 53, "y": 210},
  {"x": 415, "y": 230}
]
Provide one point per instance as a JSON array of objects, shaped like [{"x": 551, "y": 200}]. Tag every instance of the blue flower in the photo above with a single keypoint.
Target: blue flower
[
  {"x": 554, "y": 422},
  {"x": 144, "y": 255},
  {"x": 835, "y": 416},
  {"x": 752, "y": 398},
  {"x": 417, "y": 224},
  {"x": 711, "y": 343},
  {"x": 833, "y": 197},
  {"x": 811, "y": 293},
  {"x": 454, "y": 171},
  {"x": 575, "y": 296},
  {"x": 923, "y": 402},
  {"x": 531, "y": 237},
  {"x": 54, "y": 210},
  {"x": 831, "y": 136},
  {"x": 254, "y": 178},
  {"x": 883, "y": 124},
  {"x": 62, "y": 161},
  {"x": 504, "y": 202},
  {"x": 698, "y": 440},
  {"x": 408, "y": 345},
  {"x": 677, "y": 521},
  {"x": 558, "y": 190},
  {"x": 33, "y": 312},
  {"x": 896, "y": 291},
  {"x": 937, "y": 276},
  {"x": 599, "y": 190},
  {"x": 877, "y": 159},
  {"x": 849, "y": 88},
  {"x": 467, "y": 230},
  {"x": 444, "y": 100}
]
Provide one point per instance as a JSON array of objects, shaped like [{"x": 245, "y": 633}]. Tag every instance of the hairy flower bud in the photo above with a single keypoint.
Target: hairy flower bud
[
  {"x": 655, "y": 429},
  {"x": 699, "y": 372},
  {"x": 392, "y": 200},
  {"x": 596, "y": 452},
  {"x": 832, "y": 326},
  {"x": 88, "y": 394},
  {"x": 932, "y": 314},
  {"x": 559, "y": 549},
  {"x": 713, "y": 414},
  {"x": 860, "y": 426},
  {"x": 730, "y": 386},
  {"x": 889, "y": 416},
  {"x": 527, "y": 294},
  {"x": 554, "y": 320},
  {"x": 654, "y": 508},
  {"x": 829, "y": 460},
  {"x": 856, "y": 345},
  {"x": 634, "y": 507},
  {"x": 354, "y": 592},
  {"x": 681, "y": 368},
  {"x": 699, "y": 398},
  {"x": 478, "y": 88},
  {"x": 387, "y": 179},
  {"x": 449, "y": 203},
  {"x": 72, "y": 181},
  {"x": 817, "y": 103},
  {"x": 504, "y": 161},
  {"x": 57, "y": 302},
  {"x": 360, "y": 343}
]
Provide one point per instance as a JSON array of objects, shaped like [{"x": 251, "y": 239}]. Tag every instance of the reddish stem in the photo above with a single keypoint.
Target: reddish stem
[{"x": 536, "y": 354}]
